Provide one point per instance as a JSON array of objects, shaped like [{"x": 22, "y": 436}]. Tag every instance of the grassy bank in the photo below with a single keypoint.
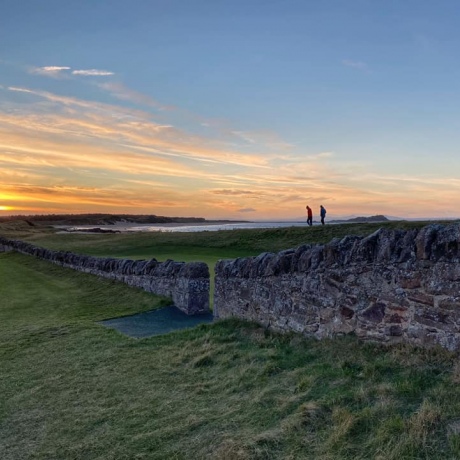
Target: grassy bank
[
  {"x": 71, "y": 389},
  {"x": 206, "y": 247},
  {"x": 224, "y": 243}
]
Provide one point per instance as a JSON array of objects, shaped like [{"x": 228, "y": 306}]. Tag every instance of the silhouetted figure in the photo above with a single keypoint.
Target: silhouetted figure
[
  {"x": 322, "y": 213},
  {"x": 309, "y": 215}
]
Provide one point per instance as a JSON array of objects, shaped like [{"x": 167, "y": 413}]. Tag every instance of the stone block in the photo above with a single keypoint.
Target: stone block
[
  {"x": 374, "y": 313},
  {"x": 449, "y": 303},
  {"x": 409, "y": 280},
  {"x": 434, "y": 318},
  {"x": 420, "y": 297},
  {"x": 395, "y": 331},
  {"x": 346, "y": 313}
]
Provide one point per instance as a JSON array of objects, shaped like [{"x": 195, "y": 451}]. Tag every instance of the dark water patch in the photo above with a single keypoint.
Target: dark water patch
[{"x": 156, "y": 322}]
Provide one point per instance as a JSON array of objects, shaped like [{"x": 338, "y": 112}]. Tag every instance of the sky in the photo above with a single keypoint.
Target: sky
[{"x": 230, "y": 109}]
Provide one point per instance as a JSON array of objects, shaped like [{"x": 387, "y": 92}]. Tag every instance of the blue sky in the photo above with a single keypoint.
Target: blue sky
[{"x": 230, "y": 109}]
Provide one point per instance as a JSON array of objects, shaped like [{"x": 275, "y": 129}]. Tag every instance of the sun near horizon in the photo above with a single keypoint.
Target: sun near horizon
[{"x": 238, "y": 110}]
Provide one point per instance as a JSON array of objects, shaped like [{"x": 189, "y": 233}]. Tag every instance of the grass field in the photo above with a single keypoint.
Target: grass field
[
  {"x": 206, "y": 247},
  {"x": 192, "y": 246},
  {"x": 72, "y": 389}
]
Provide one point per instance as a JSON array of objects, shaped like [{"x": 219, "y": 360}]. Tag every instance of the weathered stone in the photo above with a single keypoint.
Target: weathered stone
[
  {"x": 421, "y": 297},
  {"x": 424, "y": 241},
  {"x": 409, "y": 280},
  {"x": 449, "y": 303},
  {"x": 374, "y": 313},
  {"x": 327, "y": 314},
  {"x": 394, "y": 318},
  {"x": 347, "y": 313},
  {"x": 393, "y": 285},
  {"x": 395, "y": 331},
  {"x": 433, "y": 317}
]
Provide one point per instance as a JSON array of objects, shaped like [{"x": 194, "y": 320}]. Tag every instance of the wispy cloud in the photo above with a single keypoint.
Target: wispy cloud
[
  {"x": 65, "y": 154},
  {"x": 221, "y": 129},
  {"x": 123, "y": 93},
  {"x": 244, "y": 136},
  {"x": 355, "y": 64},
  {"x": 75, "y": 123},
  {"x": 19, "y": 90},
  {"x": 233, "y": 192},
  {"x": 65, "y": 72},
  {"x": 92, "y": 73},
  {"x": 87, "y": 108},
  {"x": 268, "y": 138},
  {"x": 50, "y": 71}
]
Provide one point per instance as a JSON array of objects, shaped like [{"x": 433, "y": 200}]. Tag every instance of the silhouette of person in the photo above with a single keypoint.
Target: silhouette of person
[
  {"x": 309, "y": 216},
  {"x": 322, "y": 213}
]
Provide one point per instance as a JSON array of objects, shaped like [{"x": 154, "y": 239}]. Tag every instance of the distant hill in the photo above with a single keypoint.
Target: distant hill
[
  {"x": 377, "y": 218},
  {"x": 99, "y": 219}
]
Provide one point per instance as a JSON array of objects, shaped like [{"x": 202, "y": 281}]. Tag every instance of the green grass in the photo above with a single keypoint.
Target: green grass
[
  {"x": 224, "y": 243},
  {"x": 72, "y": 389},
  {"x": 200, "y": 246},
  {"x": 206, "y": 247}
]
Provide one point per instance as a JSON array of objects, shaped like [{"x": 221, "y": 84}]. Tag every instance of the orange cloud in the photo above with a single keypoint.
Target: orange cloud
[{"x": 63, "y": 154}]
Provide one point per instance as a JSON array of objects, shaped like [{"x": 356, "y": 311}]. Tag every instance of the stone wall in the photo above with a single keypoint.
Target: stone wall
[
  {"x": 391, "y": 286},
  {"x": 186, "y": 283}
]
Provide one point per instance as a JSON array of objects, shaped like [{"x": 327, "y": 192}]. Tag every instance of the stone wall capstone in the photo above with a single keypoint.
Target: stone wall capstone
[
  {"x": 391, "y": 286},
  {"x": 186, "y": 283}
]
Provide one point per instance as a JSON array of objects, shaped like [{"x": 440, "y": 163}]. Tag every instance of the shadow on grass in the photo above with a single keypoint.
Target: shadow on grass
[{"x": 156, "y": 322}]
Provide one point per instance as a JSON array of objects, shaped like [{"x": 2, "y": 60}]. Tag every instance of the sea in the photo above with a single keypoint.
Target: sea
[{"x": 174, "y": 227}]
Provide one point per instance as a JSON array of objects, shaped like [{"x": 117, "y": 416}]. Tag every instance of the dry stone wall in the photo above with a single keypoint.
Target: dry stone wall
[
  {"x": 186, "y": 283},
  {"x": 391, "y": 286}
]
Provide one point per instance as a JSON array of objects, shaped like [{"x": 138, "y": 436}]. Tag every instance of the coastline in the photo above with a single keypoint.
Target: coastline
[{"x": 127, "y": 227}]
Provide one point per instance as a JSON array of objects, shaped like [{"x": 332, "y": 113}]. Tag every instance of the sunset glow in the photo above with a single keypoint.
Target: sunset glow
[{"x": 207, "y": 112}]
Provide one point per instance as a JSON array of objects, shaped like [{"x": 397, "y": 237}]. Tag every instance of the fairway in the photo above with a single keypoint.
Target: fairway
[
  {"x": 223, "y": 230},
  {"x": 208, "y": 247},
  {"x": 72, "y": 389}
]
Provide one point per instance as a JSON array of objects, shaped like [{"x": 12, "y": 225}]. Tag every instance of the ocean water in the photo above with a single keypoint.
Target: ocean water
[
  {"x": 215, "y": 227},
  {"x": 199, "y": 227}
]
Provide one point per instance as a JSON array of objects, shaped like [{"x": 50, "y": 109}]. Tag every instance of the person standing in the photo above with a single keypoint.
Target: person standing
[
  {"x": 309, "y": 216},
  {"x": 322, "y": 213}
]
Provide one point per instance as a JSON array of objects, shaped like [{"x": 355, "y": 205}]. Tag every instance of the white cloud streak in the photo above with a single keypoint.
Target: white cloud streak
[
  {"x": 123, "y": 93},
  {"x": 68, "y": 142},
  {"x": 50, "y": 71},
  {"x": 19, "y": 90},
  {"x": 354, "y": 64},
  {"x": 55, "y": 71},
  {"x": 92, "y": 73}
]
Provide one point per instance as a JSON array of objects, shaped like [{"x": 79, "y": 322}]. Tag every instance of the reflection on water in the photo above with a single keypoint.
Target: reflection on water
[
  {"x": 124, "y": 227},
  {"x": 215, "y": 227}
]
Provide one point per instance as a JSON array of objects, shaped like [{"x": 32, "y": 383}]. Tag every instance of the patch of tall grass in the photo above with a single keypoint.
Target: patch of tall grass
[{"x": 72, "y": 389}]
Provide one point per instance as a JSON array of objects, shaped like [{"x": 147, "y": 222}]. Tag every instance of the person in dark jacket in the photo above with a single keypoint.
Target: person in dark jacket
[
  {"x": 322, "y": 213},
  {"x": 309, "y": 215}
]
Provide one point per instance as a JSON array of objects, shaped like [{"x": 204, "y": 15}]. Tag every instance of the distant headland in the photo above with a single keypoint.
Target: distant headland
[
  {"x": 376, "y": 218},
  {"x": 100, "y": 219},
  {"x": 104, "y": 219}
]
